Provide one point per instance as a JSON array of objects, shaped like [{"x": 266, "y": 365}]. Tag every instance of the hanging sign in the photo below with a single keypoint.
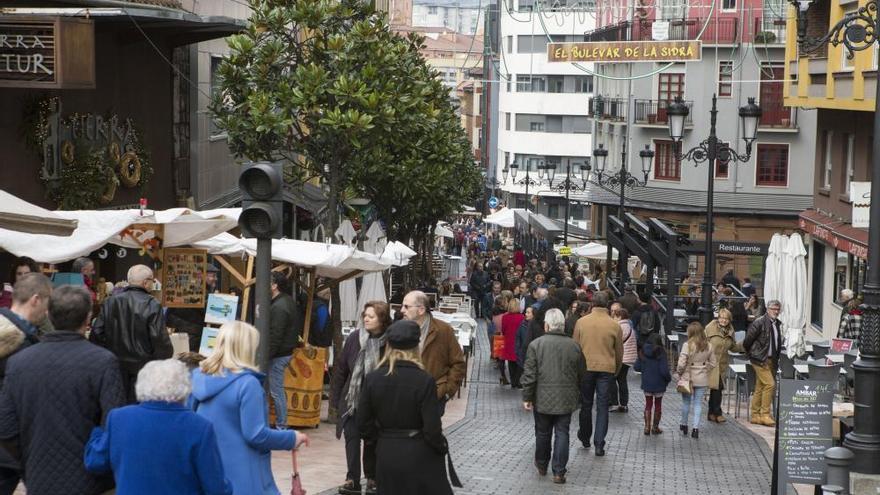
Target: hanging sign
[
  {"x": 660, "y": 30},
  {"x": 860, "y": 196},
  {"x": 626, "y": 51},
  {"x": 47, "y": 52}
]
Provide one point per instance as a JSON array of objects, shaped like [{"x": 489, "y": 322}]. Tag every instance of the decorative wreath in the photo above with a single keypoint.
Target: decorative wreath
[
  {"x": 109, "y": 191},
  {"x": 67, "y": 152},
  {"x": 113, "y": 151},
  {"x": 130, "y": 169}
]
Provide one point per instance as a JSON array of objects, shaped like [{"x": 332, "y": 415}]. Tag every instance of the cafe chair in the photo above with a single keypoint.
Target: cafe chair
[
  {"x": 848, "y": 359},
  {"x": 821, "y": 349},
  {"x": 824, "y": 372},
  {"x": 786, "y": 367}
]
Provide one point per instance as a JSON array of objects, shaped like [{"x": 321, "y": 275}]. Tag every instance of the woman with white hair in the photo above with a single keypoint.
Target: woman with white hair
[
  {"x": 228, "y": 391},
  {"x": 159, "y": 446}
]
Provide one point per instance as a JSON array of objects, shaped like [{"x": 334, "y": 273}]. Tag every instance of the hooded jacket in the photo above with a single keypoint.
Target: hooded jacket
[
  {"x": 655, "y": 369},
  {"x": 236, "y": 405}
]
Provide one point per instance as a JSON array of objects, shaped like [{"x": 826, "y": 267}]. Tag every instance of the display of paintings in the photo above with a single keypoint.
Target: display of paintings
[
  {"x": 183, "y": 278},
  {"x": 221, "y": 308},
  {"x": 209, "y": 340}
]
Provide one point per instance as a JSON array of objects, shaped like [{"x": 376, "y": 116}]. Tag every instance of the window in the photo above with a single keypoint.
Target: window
[
  {"x": 841, "y": 269},
  {"x": 531, "y": 84},
  {"x": 510, "y": 44},
  {"x": 666, "y": 167},
  {"x": 536, "y": 126},
  {"x": 850, "y": 162},
  {"x": 506, "y": 121},
  {"x": 432, "y": 10},
  {"x": 553, "y": 211},
  {"x": 670, "y": 86},
  {"x": 828, "y": 143},
  {"x": 725, "y": 78},
  {"x": 722, "y": 168},
  {"x": 771, "y": 165},
  {"x": 728, "y": 5},
  {"x": 509, "y": 77},
  {"x": 556, "y": 84},
  {"x": 531, "y": 44},
  {"x": 506, "y": 159},
  {"x": 847, "y": 63},
  {"x": 215, "y": 89},
  {"x": 583, "y": 84},
  {"x": 773, "y": 113},
  {"x": 818, "y": 286}
]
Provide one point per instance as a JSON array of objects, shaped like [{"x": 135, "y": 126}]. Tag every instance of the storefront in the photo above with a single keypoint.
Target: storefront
[{"x": 836, "y": 260}]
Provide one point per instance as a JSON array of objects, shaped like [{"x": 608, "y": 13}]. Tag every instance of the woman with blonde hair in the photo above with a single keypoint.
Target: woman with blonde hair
[
  {"x": 227, "y": 389},
  {"x": 720, "y": 333},
  {"x": 695, "y": 362},
  {"x": 399, "y": 410}
]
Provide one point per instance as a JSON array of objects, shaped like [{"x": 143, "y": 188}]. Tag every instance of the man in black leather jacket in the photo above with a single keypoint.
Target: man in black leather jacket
[
  {"x": 763, "y": 344},
  {"x": 131, "y": 325}
]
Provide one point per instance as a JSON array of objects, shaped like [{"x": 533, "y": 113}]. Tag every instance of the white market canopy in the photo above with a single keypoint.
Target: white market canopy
[
  {"x": 503, "y": 217},
  {"x": 95, "y": 228},
  {"x": 20, "y": 216},
  {"x": 441, "y": 230},
  {"x": 329, "y": 260},
  {"x": 594, "y": 250}
]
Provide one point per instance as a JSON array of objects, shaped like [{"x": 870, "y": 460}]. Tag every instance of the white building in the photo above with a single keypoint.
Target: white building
[
  {"x": 458, "y": 16},
  {"x": 542, "y": 106}
]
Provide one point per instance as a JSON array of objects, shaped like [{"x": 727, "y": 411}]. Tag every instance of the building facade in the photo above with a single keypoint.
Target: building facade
[
  {"x": 458, "y": 16},
  {"x": 542, "y": 106},
  {"x": 743, "y": 56},
  {"x": 842, "y": 92}
]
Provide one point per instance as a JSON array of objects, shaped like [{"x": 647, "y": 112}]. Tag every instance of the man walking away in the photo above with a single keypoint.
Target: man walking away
[
  {"x": 285, "y": 323},
  {"x": 478, "y": 286},
  {"x": 645, "y": 320},
  {"x": 441, "y": 355},
  {"x": 629, "y": 300},
  {"x": 54, "y": 394},
  {"x": 598, "y": 335},
  {"x": 132, "y": 327},
  {"x": 763, "y": 344},
  {"x": 554, "y": 370}
]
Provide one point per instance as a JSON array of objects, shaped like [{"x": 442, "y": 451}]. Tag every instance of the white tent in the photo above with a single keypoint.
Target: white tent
[
  {"x": 398, "y": 253},
  {"x": 182, "y": 227},
  {"x": 348, "y": 288},
  {"x": 18, "y": 215},
  {"x": 594, "y": 250},
  {"x": 373, "y": 286},
  {"x": 442, "y": 231},
  {"x": 329, "y": 260},
  {"x": 503, "y": 217}
]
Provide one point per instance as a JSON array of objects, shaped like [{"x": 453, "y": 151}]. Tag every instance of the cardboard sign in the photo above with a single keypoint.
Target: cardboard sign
[
  {"x": 805, "y": 429},
  {"x": 841, "y": 346},
  {"x": 626, "y": 51},
  {"x": 221, "y": 308},
  {"x": 209, "y": 340}
]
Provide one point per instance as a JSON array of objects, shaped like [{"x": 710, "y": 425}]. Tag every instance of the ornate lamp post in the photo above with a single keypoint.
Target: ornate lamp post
[
  {"x": 527, "y": 180},
  {"x": 622, "y": 178},
  {"x": 858, "y": 31},
  {"x": 711, "y": 150},
  {"x": 568, "y": 185}
]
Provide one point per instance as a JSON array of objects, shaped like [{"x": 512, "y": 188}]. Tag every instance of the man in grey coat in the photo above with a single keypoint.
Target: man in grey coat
[{"x": 555, "y": 367}]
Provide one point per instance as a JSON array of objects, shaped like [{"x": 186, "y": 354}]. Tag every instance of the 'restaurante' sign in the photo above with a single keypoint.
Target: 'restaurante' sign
[
  {"x": 626, "y": 51},
  {"x": 47, "y": 52}
]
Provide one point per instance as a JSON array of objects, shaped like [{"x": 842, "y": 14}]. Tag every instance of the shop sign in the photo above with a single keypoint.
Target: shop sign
[
  {"x": 626, "y": 51},
  {"x": 860, "y": 196},
  {"x": 660, "y": 30},
  {"x": 47, "y": 52},
  {"x": 832, "y": 239},
  {"x": 729, "y": 248},
  {"x": 564, "y": 251}
]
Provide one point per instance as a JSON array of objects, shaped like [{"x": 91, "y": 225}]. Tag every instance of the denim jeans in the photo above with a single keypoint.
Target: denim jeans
[
  {"x": 697, "y": 397},
  {"x": 596, "y": 384},
  {"x": 618, "y": 392},
  {"x": 556, "y": 425},
  {"x": 276, "y": 388}
]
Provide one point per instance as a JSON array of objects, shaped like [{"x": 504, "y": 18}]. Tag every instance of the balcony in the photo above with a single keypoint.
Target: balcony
[
  {"x": 769, "y": 30},
  {"x": 610, "y": 109},
  {"x": 653, "y": 112},
  {"x": 778, "y": 118},
  {"x": 720, "y": 31}
]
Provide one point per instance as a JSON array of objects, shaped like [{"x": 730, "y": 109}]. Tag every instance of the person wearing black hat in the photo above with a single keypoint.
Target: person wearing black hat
[
  {"x": 192, "y": 320},
  {"x": 398, "y": 408}
]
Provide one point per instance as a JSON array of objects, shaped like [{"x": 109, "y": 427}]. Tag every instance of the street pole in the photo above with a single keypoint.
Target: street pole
[
  {"x": 622, "y": 255},
  {"x": 528, "y": 200},
  {"x": 263, "y": 271},
  {"x": 864, "y": 440},
  {"x": 567, "y": 189},
  {"x": 706, "y": 312}
]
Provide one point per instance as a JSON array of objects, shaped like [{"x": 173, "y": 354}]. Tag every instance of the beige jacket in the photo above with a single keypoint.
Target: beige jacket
[
  {"x": 721, "y": 339},
  {"x": 600, "y": 340},
  {"x": 697, "y": 365}
]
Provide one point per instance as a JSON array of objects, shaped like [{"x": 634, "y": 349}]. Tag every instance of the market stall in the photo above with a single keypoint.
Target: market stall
[{"x": 20, "y": 216}]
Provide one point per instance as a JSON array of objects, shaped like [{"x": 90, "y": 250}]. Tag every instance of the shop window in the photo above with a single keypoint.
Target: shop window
[
  {"x": 816, "y": 299},
  {"x": 858, "y": 268},
  {"x": 841, "y": 269},
  {"x": 666, "y": 166},
  {"x": 725, "y": 78},
  {"x": 772, "y": 165}
]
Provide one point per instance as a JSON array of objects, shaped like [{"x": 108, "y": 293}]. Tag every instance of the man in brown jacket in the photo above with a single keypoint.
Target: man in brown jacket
[
  {"x": 441, "y": 354},
  {"x": 598, "y": 335}
]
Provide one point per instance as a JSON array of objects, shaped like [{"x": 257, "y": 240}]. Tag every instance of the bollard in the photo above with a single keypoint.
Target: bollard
[
  {"x": 832, "y": 490},
  {"x": 838, "y": 460}
]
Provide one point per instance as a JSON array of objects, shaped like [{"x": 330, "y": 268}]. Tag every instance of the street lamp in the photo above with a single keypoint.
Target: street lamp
[
  {"x": 527, "y": 180},
  {"x": 711, "y": 150},
  {"x": 858, "y": 31},
  {"x": 568, "y": 185},
  {"x": 623, "y": 179}
]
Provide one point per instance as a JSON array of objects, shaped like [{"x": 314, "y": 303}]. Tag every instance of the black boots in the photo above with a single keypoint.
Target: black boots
[
  {"x": 695, "y": 433},
  {"x": 684, "y": 429}
]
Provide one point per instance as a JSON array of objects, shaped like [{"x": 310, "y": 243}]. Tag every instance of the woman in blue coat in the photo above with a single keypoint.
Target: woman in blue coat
[
  {"x": 159, "y": 446},
  {"x": 654, "y": 367},
  {"x": 228, "y": 391}
]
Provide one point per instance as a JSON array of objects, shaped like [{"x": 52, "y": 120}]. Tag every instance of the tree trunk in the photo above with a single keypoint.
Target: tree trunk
[{"x": 335, "y": 300}]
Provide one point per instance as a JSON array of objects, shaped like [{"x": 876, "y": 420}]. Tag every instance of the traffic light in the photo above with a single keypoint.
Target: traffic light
[{"x": 261, "y": 200}]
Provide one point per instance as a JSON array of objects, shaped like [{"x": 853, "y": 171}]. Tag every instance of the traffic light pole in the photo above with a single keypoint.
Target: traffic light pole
[{"x": 263, "y": 271}]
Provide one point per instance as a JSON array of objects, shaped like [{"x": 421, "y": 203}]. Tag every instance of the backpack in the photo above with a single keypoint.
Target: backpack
[
  {"x": 646, "y": 323},
  {"x": 320, "y": 336}
]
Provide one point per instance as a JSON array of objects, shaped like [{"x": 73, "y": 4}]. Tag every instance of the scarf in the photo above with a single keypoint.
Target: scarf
[{"x": 367, "y": 361}]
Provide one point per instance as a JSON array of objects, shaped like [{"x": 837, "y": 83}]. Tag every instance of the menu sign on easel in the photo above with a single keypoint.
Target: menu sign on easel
[{"x": 805, "y": 429}]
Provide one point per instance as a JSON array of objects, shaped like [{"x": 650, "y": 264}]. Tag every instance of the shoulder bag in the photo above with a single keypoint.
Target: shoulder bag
[{"x": 683, "y": 385}]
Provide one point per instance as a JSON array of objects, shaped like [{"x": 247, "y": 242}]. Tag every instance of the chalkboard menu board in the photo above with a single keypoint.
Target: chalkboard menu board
[{"x": 804, "y": 429}]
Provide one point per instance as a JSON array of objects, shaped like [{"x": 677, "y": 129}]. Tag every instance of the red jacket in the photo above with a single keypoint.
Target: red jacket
[{"x": 509, "y": 325}]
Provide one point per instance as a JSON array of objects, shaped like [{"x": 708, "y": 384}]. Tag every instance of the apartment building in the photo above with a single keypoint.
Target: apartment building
[{"x": 459, "y": 16}]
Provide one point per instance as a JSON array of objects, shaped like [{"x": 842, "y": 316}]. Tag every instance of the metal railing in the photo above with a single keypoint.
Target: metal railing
[
  {"x": 653, "y": 112},
  {"x": 602, "y": 108},
  {"x": 769, "y": 30},
  {"x": 778, "y": 117},
  {"x": 718, "y": 31}
]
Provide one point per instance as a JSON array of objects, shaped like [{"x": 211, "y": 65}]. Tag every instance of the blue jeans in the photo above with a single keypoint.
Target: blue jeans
[
  {"x": 596, "y": 383},
  {"x": 698, "y": 406},
  {"x": 276, "y": 388},
  {"x": 556, "y": 425}
]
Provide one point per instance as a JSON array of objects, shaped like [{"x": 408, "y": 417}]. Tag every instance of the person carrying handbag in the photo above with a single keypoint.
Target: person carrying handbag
[{"x": 695, "y": 361}]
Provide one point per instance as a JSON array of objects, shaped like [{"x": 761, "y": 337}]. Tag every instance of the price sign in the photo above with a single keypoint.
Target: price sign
[
  {"x": 805, "y": 429},
  {"x": 564, "y": 251}
]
